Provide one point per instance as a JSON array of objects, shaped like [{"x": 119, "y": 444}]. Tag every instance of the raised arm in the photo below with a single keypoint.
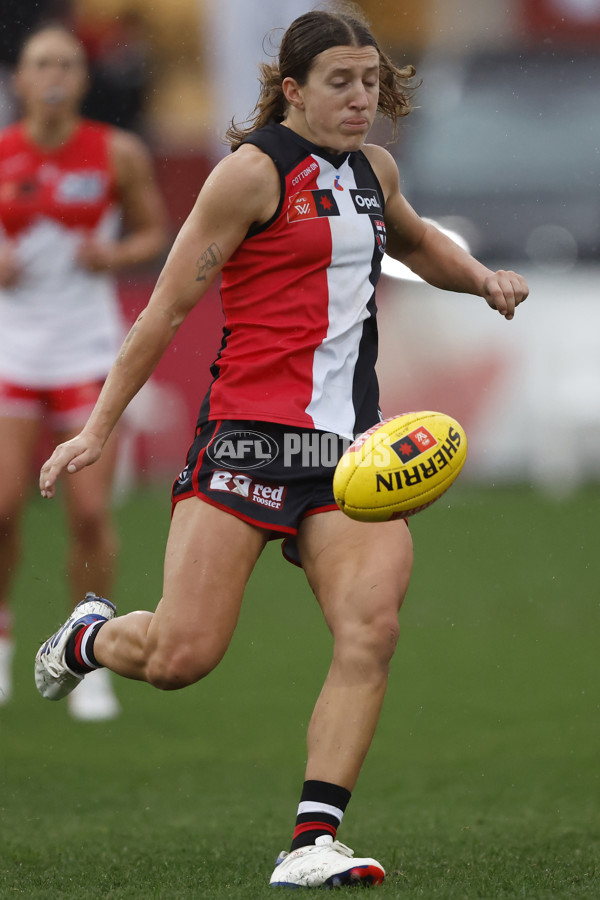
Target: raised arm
[
  {"x": 242, "y": 189},
  {"x": 432, "y": 255}
]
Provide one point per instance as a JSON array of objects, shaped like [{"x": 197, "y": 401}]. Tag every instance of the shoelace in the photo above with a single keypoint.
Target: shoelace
[
  {"x": 342, "y": 848},
  {"x": 335, "y": 845}
]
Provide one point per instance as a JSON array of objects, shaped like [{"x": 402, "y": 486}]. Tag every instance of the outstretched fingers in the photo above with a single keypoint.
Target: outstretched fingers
[
  {"x": 73, "y": 455},
  {"x": 504, "y": 290}
]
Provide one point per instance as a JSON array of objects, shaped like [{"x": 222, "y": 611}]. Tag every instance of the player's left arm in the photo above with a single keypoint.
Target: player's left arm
[
  {"x": 143, "y": 210},
  {"x": 432, "y": 255}
]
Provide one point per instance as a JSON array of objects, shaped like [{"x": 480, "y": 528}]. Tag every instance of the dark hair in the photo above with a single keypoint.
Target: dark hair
[{"x": 307, "y": 36}]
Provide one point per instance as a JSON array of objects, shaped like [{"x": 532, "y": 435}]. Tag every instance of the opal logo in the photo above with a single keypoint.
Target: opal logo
[
  {"x": 243, "y": 449},
  {"x": 366, "y": 200}
]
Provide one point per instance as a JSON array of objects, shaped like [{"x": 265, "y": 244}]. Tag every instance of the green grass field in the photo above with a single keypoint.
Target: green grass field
[{"x": 484, "y": 777}]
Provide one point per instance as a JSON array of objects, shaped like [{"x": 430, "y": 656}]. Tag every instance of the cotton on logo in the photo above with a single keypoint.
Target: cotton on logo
[{"x": 304, "y": 173}]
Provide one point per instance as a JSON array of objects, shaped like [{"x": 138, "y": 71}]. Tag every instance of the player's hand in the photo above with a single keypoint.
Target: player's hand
[
  {"x": 98, "y": 256},
  {"x": 10, "y": 269},
  {"x": 73, "y": 455},
  {"x": 503, "y": 291}
]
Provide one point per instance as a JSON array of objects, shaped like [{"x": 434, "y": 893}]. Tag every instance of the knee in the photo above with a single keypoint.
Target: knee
[
  {"x": 8, "y": 525},
  {"x": 10, "y": 515},
  {"x": 381, "y": 636},
  {"x": 179, "y": 668},
  {"x": 369, "y": 641},
  {"x": 91, "y": 526}
]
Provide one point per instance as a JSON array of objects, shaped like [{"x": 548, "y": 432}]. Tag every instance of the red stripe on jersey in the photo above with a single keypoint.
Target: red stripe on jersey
[{"x": 291, "y": 262}]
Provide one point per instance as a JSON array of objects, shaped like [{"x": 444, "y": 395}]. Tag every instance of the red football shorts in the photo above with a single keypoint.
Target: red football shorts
[{"x": 63, "y": 408}]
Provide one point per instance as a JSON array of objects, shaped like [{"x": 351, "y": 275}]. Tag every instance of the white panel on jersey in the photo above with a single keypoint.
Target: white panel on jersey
[
  {"x": 350, "y": 290},
  {"x": 59, "y": 324}
]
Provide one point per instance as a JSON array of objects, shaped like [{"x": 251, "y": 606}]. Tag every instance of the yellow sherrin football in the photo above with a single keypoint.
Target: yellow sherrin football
[{"x": 399, "y": 466}]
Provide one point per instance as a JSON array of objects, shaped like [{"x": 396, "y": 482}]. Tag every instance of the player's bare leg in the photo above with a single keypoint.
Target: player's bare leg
[
  {"x": 92, "y": 563},
  {"x": 93, "y": 541},
  {"x": 18, "y": 437},
  {"x": 359, "y": 573},
  {"x": 209, "y": 557}
]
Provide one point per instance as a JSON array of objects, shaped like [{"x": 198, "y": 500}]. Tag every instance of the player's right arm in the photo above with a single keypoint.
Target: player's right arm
[{"x": 242, "y": 189}]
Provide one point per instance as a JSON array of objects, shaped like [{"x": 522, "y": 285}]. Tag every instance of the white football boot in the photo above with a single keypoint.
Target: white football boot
[
  {"x": 53, "y": 678},
  {"x": 325, "y": 863},
  {"x": 7, "y": 649},
  {"x": 94, "y": 699}
]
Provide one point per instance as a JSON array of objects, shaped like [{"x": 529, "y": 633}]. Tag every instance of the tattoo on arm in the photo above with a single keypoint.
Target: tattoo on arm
[
  {"x": 209, "y": 259},
  {"x": 127, "y": 341}
]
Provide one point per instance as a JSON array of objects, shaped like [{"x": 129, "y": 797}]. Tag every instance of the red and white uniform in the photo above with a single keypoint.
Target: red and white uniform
[
  {"x": 59, "y": 324},
  {"x": 300, "y": 336}
]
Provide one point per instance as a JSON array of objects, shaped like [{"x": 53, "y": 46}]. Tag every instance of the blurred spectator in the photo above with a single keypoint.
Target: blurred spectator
[
  {"x": 19, "y": 17},
  {"x": 118, "y": 54}
]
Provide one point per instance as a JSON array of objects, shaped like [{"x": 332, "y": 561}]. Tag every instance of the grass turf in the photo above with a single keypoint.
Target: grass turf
[{"x": 483, "y": 780}]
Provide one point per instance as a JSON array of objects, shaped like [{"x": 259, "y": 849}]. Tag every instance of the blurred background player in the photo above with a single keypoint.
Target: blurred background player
[{"x": 66, "y": 185}]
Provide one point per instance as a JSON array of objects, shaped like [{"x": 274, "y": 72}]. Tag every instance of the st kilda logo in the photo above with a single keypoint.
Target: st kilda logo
[{"x": 243, "y": 449}]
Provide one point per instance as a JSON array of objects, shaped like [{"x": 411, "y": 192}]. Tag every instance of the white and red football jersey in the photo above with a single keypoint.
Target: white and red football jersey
[
  {"x": 300, "y": 335},
  {"x": 60, "y": 323}
]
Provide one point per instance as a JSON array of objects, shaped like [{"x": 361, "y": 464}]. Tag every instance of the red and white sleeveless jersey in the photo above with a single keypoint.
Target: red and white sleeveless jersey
[
  {"x": 300, "y": 335},
  {"x": 59, "y": 323}
]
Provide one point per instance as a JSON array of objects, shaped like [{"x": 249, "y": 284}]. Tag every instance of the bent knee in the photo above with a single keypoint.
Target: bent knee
[
  {"x": 383, "y": 636},
  {"x": 91, "y": 525},
  {"x": 179, "y": 669},
  {"x": 373, "y": 640}
]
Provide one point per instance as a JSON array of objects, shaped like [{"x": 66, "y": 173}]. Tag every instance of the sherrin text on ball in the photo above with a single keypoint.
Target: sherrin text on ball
[{"x": 399, "y": 466}]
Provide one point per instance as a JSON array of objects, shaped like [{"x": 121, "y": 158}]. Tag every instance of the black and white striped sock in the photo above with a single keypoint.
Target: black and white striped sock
[
  {"x": 79, "y": 652},
  {"x": 320, "y": 811}
]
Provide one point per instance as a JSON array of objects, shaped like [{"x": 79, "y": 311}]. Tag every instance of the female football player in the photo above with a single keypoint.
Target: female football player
[
  {"x": 295, "y": 221},
  {"x": 63, "y": 183}
]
